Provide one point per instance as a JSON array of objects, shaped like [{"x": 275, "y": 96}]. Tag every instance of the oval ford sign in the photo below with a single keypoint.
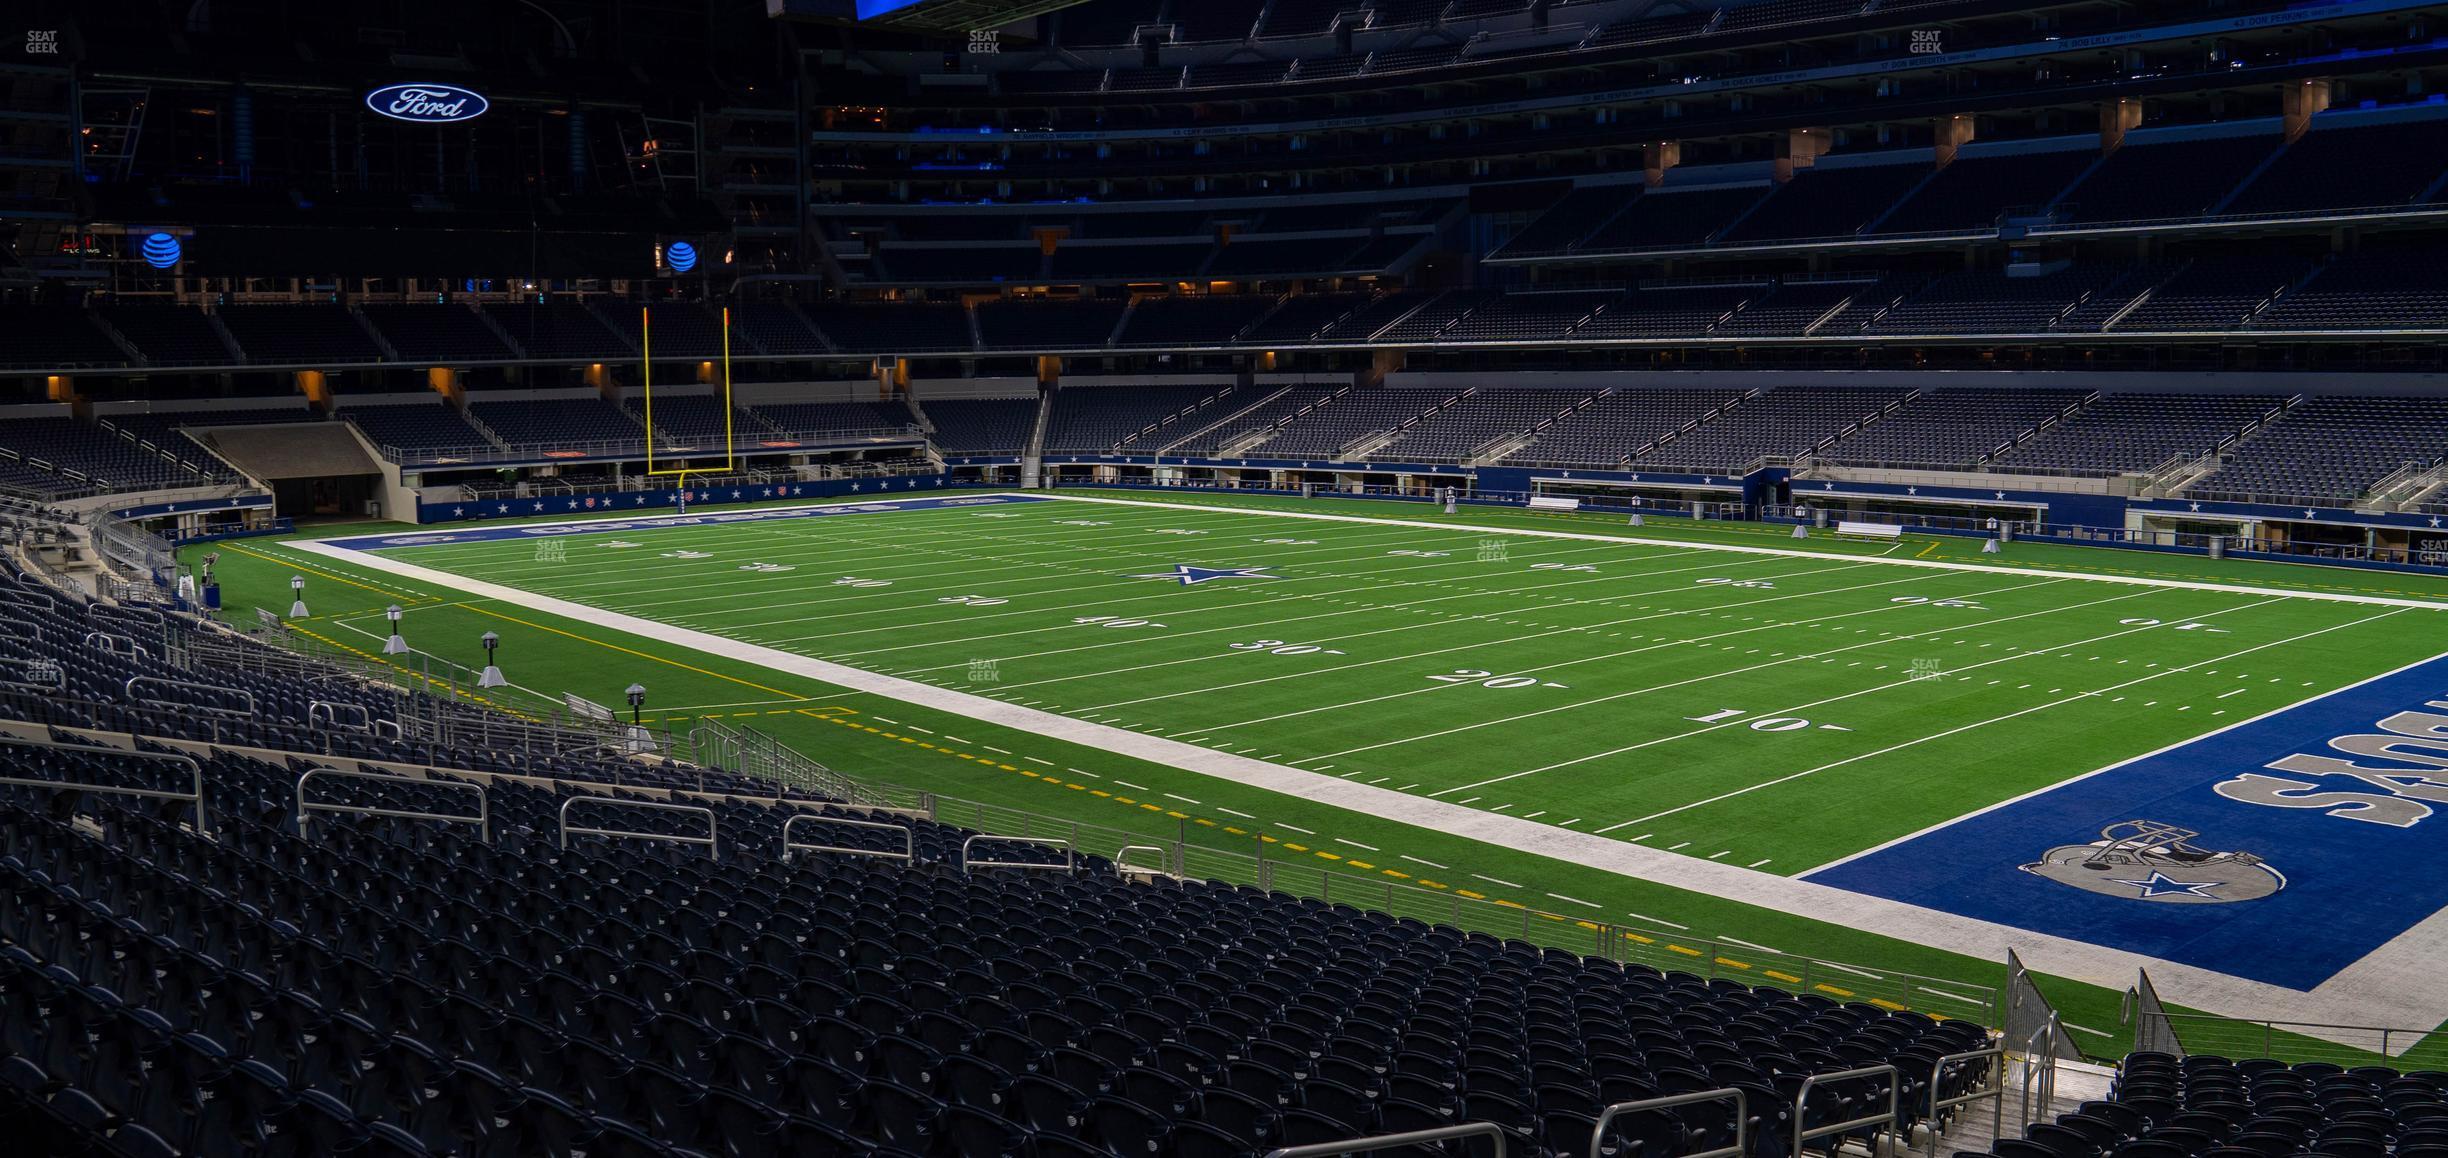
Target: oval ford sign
[{"x": 427, "y": 103}]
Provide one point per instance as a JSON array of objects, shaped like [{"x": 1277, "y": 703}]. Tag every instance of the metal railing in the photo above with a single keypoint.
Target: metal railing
[
  {"x": 1070, "y": 860},
  {"x": 195, "y": 771},
  {"x": 1398, "y": 1141},
  {"x": 2292, "y": 1040},
  {"x": 1993, "y": 1089},
  {"x": 640, "y": 834},
  {"x": 2040, "y": 1053},
  {"x": 909, "y": 838},
  {"x": 1742, "y": 1119},
  {"x": 1803, "y": 1131},
  {"x": 483, "y": 820}
]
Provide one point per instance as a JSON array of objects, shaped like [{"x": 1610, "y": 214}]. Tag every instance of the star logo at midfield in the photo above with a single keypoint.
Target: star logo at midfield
[
  {"x": 2162, "y": 885},
  {"x": 1190, "y": 575}
]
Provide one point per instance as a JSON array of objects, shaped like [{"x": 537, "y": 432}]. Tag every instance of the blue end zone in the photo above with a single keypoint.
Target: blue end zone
[
  {"x": 2345, "y": 883},
  {"x": 660, "y": 522}
]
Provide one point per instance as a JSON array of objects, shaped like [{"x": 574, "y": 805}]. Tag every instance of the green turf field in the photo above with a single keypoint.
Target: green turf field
[
  {"x": 1768, "y": 710},
  {"x": 1741, "y": 698}
]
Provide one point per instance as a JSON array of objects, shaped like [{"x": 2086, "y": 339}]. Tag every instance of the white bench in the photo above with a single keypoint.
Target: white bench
[
  {"x": 1554, "y": 503},
  {"x": 1888, "y": 531}
]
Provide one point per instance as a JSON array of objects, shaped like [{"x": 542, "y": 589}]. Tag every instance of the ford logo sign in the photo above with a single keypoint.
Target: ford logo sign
[{"x": 427, "y": 103}]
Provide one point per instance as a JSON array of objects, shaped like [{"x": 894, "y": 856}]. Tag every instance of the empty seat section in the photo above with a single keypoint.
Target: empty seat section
[
  {"x": 1782, "y": 423},
  {"x": 981, "y": 425},
  {"x": 2331, "y": 449},
  {"x": 1950, "y": 429},
  {"x": 1616, "y": 426},
  {"x": 2139, "y": 432}
]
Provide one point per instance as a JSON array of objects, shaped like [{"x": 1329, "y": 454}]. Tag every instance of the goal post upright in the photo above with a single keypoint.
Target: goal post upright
[{"x": 730, "y": 422}]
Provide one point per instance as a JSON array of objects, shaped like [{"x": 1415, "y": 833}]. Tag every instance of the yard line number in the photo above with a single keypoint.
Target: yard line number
[{"x": 1488, "y": 679}]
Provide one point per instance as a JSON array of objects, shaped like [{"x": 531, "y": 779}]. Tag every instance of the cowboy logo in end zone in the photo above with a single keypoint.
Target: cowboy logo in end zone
[{"x": 2257, "y": 851}]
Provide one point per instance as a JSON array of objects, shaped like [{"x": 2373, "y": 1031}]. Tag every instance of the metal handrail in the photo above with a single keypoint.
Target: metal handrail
[
  {"x": 111, "y": 643},
  {"x": 483, "y": 820},
  {"x": 707, "y": 840},
  {"x": 1070, "y": 856},
  {"x": 130, "y": 689},
  {"x": 1391, "y": 1141},
  {"x": 43, "y": 599},
  {"x": 1123, "y": 866},
  {"x": 1802, "y": 1131},
  {"x": 1742, "y": 1119},
  {"x": 909, "y": 835},
  {"x": 328, "y": 713},
  {"x": 2043, "y": 1072},
  {"x": 194, "y": 769},
  {"x": 1994, "y": 1089}
]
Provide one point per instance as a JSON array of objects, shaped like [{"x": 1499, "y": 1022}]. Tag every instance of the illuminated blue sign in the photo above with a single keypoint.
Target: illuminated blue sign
[
  {"x": 868, "y": 9},
  {"x": 682, "y": 255},
  {"x": 427, "y": 104},
  {"x": 161, "y": 251}
]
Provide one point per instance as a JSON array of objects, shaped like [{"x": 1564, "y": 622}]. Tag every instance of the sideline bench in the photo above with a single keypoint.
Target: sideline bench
[
  {"x": 1888, "y": 531},
  {"x": 1554, "y": 503}
]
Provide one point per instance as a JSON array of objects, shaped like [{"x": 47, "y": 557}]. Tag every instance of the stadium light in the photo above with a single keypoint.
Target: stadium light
[
  {"x": 637, "y": 703},
  {"x": 398, "y": 644},
  {"x": 297, "y": 597},
  {"x": 492, "y": 677}
]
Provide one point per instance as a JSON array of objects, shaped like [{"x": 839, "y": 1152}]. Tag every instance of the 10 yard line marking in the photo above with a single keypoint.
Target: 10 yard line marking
[{"x": 2075, "y": 698}]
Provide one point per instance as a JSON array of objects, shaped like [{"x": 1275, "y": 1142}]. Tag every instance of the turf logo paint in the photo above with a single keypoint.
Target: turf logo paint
[
  {"x": 2305, "y": 893},
  {"x": 2144, "y": 860},
  {"x": 1191, "y": 575},
  {"x": 2417, "y": 738}
]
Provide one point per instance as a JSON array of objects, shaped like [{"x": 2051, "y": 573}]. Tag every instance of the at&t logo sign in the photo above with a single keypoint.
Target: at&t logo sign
[{"x": 427, "y": 103}]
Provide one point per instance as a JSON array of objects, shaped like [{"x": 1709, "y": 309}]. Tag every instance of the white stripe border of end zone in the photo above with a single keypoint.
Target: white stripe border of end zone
[
  {"x": 1741, "y": 549},
  {"x": 2389, "y": 985}
]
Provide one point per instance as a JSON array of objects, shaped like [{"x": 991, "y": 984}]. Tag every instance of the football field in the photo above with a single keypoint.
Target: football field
[{"x": 1893, "y": 723}]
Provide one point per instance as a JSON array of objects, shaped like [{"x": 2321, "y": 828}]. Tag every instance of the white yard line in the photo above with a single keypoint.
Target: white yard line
[
  {"x": 2057, "y": 703},
  {"x": 1739, "y": 549},
  {"x": 1409, "y": 566},
  {"x": 1497, "y": 616},
  {"x": 1654, "y": 741},
  {"x": 1614, "y": 655}
]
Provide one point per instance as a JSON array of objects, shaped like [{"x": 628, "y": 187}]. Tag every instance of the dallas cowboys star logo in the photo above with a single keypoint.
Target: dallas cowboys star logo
[
  {"x": 2162, "y": 885},
  {"x": 1190, "y": 575}
]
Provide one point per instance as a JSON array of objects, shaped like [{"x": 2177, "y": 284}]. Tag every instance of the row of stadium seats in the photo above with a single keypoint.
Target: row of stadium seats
[
  {"x": 56, "y": 456},
  {"x": 2143, "y": 181},
  {"x": 1124, "y": 22},
  {"x": 2204, "y": 1106},
  {"x": 2240, "y": 294},
  {"x": 2331, "y": 448}
]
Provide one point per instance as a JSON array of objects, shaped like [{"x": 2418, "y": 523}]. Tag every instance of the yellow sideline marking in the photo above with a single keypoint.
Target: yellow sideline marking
[
  {"x": 640, "y": 654},
  {"x": 310, "y": 569}
]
